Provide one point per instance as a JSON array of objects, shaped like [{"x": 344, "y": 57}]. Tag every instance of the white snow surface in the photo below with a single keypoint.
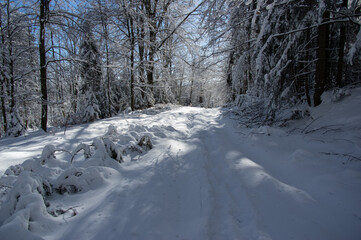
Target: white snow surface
[{"x": 204, "y": 178}]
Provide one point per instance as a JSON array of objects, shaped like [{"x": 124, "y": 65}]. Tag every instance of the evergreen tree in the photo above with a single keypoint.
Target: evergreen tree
[
  {"x": 15, "y": 127},
  {"x": 91, "y": 75},
  {"x": 90, "y": 107}
]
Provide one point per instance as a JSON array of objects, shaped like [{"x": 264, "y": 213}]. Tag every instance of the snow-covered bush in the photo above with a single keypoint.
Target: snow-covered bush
[
  {"x": 335, "y": 95},
  {"x": 145, "y": 143},
  {"x": 24, "y": 205},
  {"x": 251, "y": 108},
  {"x": 85, "y": 148},
  {"x": 112, "y": 130},
  {"x": 27, "y": 190},
  {"x": 91, "y": 110},
  {"x": 113, "y": 150},
  {"x": 339, "y": 93},
  {"x": 49, "y": 159},
  {"x": 25, "y": 202},
  {"x": 15, "y": 126},
  {"x": 74, "y": 180},
  {"x": 14, "y": 170}
]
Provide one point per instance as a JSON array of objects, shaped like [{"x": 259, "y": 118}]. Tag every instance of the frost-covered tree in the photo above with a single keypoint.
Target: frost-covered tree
[
  {"x": 91, "y": 76},
  {"x": 283, "y": 52},
  {"x": 90, "y": 107},
  {"x": 43, "y": 19},
  {"x": 15, "y": 68},
  {"x": 15, "y": 125}
]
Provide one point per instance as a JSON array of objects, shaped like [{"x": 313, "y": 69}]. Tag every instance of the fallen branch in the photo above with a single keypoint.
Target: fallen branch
[
  {"x": 342, "y": 154},
  {"x": 326, "y": 128}
]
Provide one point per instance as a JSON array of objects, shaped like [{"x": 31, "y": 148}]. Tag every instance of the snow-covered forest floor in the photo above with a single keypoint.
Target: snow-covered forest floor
[{"x": 203, "y": 177}]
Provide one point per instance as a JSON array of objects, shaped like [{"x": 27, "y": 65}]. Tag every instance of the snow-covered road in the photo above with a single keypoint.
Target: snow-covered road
[{"x": 206, "y": 178}]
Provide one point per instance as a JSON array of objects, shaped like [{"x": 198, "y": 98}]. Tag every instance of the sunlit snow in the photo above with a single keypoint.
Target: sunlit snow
[{"x": 204, "y": 178}]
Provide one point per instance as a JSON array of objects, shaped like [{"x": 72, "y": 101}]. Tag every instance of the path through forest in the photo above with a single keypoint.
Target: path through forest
[{"x": 206, "y": 178}]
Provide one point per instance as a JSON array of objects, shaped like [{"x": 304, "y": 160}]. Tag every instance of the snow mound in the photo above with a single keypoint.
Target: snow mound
[
  {"x": 25, "y": 208},
  {"x": 300, "y": 155},
  {"x": 27, "y": 189}
]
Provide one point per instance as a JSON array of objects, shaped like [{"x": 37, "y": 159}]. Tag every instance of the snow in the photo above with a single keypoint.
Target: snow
[{"x": 200, "y": 176}]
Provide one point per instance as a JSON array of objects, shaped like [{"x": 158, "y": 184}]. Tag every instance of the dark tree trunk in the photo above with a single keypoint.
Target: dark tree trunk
[
  {"x": 151, "y": 11},
  {"x": 249, "y": 79},
  {"x": 132, "y": 47},
  {"x": 322, "y": 60},
  {"x": 308, "y": 47},
  {"x": 42, "y": 55},
  {"x": 3, "y": 109},
  {"x": 2, "y": 83},
  {"x": 341, "y": 51},
  {"x": 12, "y": 80},
  {"x": 307, "y": 78},
  {"x": 10, "y": 61},
  {"x": 141, "y": 35},
  {"x": 150, "y": 69}
]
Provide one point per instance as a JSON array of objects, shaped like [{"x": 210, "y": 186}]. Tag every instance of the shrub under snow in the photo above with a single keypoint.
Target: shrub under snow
[{"x": 27, "y": 188}]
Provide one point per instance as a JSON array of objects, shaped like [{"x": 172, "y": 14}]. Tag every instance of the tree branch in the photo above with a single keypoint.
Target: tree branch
[{"x": 179, "y": 24}]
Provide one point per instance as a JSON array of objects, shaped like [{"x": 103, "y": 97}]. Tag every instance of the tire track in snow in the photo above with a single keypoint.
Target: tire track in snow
[{"x": 231, "y": 214}]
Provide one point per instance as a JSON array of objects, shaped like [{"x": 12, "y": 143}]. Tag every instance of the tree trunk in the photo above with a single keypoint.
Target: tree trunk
[
  {"x": 109, "y": 90},
  {"x": 152, "y": 21},
  {"x": 3, "y": 109},
  {"x": 192, "y": 83},
  {"x": 12, "y": 80},
  {"x": 10, "y": 60},
  {"x": 341, "y": 51},
  {"x": 132, "y": 47},
  {"x": 42, "y": 55},
  {"x": 104, "y": 22},
  {"x": 307, "y": 78},
  {"x": 141, "y": 34},
  {"x": 308, "y": 58},
  {"x": 150, "y": 69},
  {"x": 180, "y": 89},
  {"x": 229, "y": 79},
  {"x": 3, "y": 77},
  {"x": 322, "y": 59}
]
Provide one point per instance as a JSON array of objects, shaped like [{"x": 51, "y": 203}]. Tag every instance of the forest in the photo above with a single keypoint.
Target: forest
[
  {"x": 65, "y": 62},
  {"x": 173, "y": 119}
]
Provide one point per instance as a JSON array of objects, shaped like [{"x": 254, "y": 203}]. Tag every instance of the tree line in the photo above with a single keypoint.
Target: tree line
[{"x": 67, "y": 62}]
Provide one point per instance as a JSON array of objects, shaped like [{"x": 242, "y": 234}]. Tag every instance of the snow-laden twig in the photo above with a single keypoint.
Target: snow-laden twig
[
  {"x": 351, "y": 157},
  {"x": 326, "y": 128},
  {"x": 303, "y": 130},
  {"x": 82, "y": 146}
]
